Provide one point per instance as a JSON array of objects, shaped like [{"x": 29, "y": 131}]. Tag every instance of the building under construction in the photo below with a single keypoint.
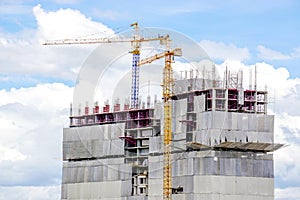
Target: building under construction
[{"x": 222, "y": 144}]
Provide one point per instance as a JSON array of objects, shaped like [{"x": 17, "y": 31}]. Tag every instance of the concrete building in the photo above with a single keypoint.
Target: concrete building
[{"x": 222, "y": 147}]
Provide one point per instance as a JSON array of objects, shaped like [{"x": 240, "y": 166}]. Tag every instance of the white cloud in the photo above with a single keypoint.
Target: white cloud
[
  {"x": 30, "y": 192},
  {"x": 49, "y": 61},
  {"x": 287, "y": 168},
  {"x": 10, "y": 154},
  {"x": 269, "y": 54},
  {"x": 292, "y": 193},
  {"x": 221, "y": 51},
  {"x": 277, "y": 80},
  {"x": 31, "y": 120},
  {"x": 287, "y": 164},
  {"x": 296, "y": 52},
  {"x": 108, "y": 14},
  {"x": 67, "y": 23}
]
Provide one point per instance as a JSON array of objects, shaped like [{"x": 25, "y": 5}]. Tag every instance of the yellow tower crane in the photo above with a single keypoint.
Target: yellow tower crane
[
  {"x": 135, "y": 41},
  {"x": 168, "y": 83}
]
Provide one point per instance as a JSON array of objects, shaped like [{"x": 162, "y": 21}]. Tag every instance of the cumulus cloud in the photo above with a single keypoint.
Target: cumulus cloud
[
  {"x": 29, "y": 192},
  {"x": 287, "y": 164},
  {"x": 221, "y": 51},
  {"x": 292, "y": 193},
  {"x": 269, "y": 54},
  {"x": 9, "y": 154},
  {"x": 67, "y": 23},
  {"x": 45, "y": 61},
  {"x": 296, "y": 52},
  {"x": 31, "y": 122},
  {"x": 278, "y": 80}
]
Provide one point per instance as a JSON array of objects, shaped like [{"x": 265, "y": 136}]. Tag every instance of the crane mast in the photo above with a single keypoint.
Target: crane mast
[
  {"x": 168, "y": 83},
  {"x": 136, "y": 45},
  {"x": 135, "y": 84},
  {"x": 167, "y": 93}
]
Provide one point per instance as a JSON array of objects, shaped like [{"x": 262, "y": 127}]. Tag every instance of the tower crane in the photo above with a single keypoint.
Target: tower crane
[
  {"x": 135, "y": 41},
  {"x": 167, "y": 85}
]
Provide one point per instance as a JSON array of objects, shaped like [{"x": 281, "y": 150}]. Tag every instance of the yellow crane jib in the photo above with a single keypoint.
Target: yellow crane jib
[{"x": 175, "y": 52}]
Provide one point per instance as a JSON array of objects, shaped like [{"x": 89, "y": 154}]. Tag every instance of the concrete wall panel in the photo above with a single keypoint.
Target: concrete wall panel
[{"x": 230, "y": 185}]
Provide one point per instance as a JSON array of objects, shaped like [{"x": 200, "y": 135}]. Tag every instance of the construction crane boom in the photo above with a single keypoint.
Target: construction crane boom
[
  {"x": 101, "y": 40},
  {"x": 175, "y": 52},
  {"x": 136, "y": 45},
  {"x": 167, "y": 85}
]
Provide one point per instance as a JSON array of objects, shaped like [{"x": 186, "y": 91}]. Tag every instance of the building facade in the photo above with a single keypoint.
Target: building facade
[{"x": 222, "y": 147}]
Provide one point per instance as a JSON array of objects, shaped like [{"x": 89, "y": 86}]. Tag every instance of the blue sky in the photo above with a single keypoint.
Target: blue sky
[
  {"x": 273, "y": 24},
  {"x": 242, "y": 33}
]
